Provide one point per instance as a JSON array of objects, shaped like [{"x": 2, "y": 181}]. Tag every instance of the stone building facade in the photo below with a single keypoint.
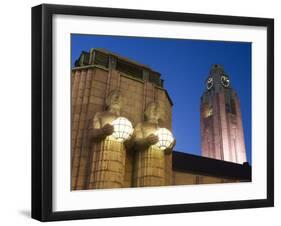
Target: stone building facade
[{"x": 95, "y": 75}]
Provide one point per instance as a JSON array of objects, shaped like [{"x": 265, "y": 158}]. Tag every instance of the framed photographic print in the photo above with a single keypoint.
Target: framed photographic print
[{"x": 145, "y": 112}]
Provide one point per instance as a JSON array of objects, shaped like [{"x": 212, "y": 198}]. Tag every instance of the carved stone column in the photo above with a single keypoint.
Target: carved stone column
[
  {"x": 149, "y": 167},
  {"x": 108, "y": 164}
]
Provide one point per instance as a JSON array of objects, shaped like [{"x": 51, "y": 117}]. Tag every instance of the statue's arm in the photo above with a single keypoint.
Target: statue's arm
[
  {"x": 141, "y": 142},
  {"x": 130, "y": 142},
  {"x": 96, "y": 131},
  {"x": 170, "y": 149}
]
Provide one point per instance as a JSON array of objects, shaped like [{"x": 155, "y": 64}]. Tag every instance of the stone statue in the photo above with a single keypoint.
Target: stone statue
[
  {"x": 149, "y": 167},
  {"x": 108, "y": 154}
]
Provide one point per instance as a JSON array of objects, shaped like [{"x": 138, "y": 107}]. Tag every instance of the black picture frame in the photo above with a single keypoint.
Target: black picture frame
[{"x": 42, "y": 107}]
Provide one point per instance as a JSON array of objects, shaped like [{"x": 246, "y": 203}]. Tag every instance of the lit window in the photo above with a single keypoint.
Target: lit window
[{"x": 210, "y": 112}]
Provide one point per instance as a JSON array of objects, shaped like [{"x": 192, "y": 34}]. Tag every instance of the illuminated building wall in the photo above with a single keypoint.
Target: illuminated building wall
[
  {"x": 222, "y": 135},
  {"x": 95, "y": 75}
]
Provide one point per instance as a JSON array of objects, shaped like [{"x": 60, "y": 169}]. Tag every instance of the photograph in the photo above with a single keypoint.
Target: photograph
[
  {"x": 141, "y": 112},
  {"x": 149, "y": 111}
]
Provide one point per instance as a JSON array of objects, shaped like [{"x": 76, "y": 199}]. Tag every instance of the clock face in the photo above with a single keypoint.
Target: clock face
[
  {"x": 225, "y": 81},
  {"x": 210, "y": 83}
]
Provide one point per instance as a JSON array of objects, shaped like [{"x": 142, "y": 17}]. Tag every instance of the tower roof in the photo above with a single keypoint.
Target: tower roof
[{"x": 216, "y": 69}]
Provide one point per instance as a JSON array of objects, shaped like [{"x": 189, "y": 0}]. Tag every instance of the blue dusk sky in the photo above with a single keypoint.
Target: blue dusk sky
[{"x": 184, "y": 65}]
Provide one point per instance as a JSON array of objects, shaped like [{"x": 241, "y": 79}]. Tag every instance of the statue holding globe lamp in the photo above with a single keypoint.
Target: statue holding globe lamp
[
  {"x": 151, "y": 144},
  {"x": 110, "y": 135}
]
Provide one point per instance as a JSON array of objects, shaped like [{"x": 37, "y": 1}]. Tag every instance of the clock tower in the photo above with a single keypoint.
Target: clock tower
[{"x": 222, "y": 135}]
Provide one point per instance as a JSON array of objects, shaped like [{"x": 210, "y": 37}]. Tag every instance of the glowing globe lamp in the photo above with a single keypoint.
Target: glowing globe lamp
[
  {"x": 123, "y": 129},
  {"x": 165, "y": 138}
]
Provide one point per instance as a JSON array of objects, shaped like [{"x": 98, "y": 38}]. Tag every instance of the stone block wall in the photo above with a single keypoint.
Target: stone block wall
[
  {"x": 188, "y": 178},
  {"x": 90, "y": 85}
]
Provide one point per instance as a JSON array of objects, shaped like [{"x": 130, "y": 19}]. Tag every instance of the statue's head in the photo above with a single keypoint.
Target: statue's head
[
  {"x": 114, "y": 100},
  {"x": 151, "y": 112}
]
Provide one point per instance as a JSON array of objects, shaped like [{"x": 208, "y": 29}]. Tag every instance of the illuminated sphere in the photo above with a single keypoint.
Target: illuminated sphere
[
  {"x": 123, "y": 129},
  {"x": 165, "y": 138}
]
